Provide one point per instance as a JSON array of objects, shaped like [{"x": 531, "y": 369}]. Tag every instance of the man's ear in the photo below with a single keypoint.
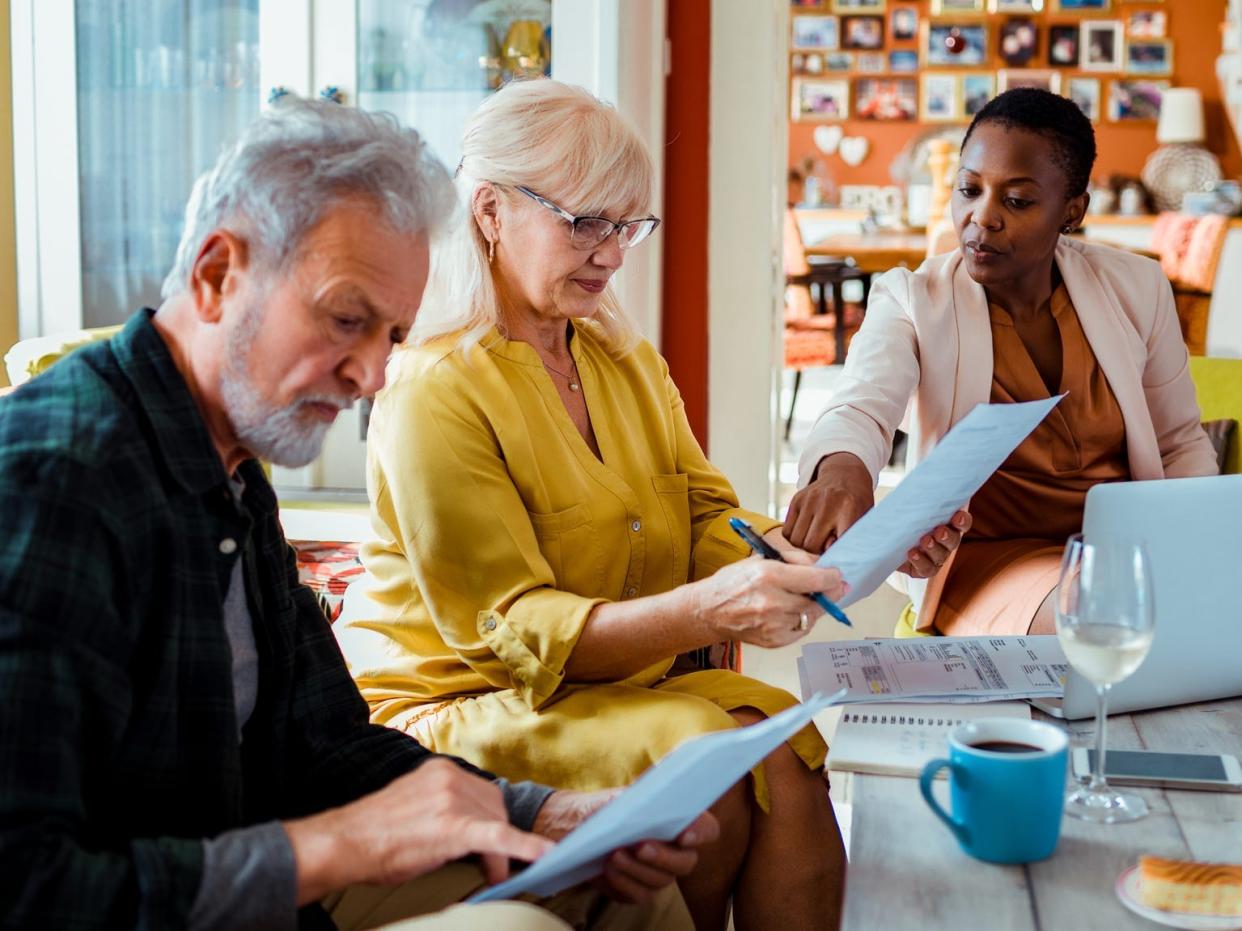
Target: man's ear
[
  {"x": 485, "y": 206},
  {"x": 216, "y": 272}
]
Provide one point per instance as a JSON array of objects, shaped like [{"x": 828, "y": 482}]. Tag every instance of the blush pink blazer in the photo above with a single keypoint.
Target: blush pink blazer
[{"x": 923, "y": 359}]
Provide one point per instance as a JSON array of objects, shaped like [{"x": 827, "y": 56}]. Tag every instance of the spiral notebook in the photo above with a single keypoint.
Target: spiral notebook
[{"x": 899, "y": 740}]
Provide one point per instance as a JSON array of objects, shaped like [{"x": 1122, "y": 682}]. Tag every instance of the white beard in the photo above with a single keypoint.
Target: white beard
[{"x": 288, "y": 436}]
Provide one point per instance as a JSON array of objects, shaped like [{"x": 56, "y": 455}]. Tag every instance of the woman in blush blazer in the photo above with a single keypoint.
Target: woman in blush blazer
[{"x": 1017, "y": 313}]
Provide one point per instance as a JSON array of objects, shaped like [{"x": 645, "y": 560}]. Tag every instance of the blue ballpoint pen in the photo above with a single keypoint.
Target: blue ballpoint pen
[{"x": 768, "y": 551}]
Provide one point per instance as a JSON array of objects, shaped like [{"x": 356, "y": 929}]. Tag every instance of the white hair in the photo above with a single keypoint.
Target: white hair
[
  {"x": 293, "y": 164},
  {"x": 568, "y": 146}
]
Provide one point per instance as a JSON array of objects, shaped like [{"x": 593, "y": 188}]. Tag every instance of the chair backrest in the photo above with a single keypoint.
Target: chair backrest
[
  {"x": 1218, "y": 388},
  {"x": 1189, "y": 248},
  {"x": 30, "y": 357},
  {"x": 794, "y": 251}
]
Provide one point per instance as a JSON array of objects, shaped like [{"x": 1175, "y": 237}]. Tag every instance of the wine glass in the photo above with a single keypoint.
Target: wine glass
[{"x": 1105, "y": 622}]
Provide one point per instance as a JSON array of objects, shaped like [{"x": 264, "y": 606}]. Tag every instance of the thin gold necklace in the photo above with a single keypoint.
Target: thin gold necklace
[{"x": 572, "y": 379}]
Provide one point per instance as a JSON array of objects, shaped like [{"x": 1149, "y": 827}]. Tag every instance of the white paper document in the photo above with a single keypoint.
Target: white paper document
[
  {"x": 930, "y": 495},
  {"x": 936, "y": 669},
  {"x": 661, "y": 804}
]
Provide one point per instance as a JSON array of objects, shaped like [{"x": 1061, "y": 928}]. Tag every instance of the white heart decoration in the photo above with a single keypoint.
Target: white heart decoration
[
  {"x": 854, "y": 149},
  {"x": 827, "y": 138}
]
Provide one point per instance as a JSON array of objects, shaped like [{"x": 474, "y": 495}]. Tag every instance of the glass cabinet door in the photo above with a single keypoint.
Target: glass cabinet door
[
  {"x": 432, "y": 62},
  {"x": 161, "y": 89}
]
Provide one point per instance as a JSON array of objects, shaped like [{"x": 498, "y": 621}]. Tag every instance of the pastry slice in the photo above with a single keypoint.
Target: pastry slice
[{"x": 1194, "y": 888}]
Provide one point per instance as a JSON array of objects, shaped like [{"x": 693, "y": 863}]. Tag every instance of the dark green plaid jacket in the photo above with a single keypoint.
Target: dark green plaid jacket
[{"x": 118, "y": 745}]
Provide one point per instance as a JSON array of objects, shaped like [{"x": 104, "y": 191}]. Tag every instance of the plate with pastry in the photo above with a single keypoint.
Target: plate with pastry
[{"x": 1184, "y": 894}]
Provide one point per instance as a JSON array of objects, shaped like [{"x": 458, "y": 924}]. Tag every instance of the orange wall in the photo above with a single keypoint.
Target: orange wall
[
  {"x": 684, "y": 322},
  {"x": 1194, "y": 27}
]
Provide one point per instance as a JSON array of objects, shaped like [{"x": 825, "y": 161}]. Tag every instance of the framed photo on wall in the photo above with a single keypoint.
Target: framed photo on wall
[
  {"x": 958, "y": 7},
  {"x": 1101, "y": 45},
  {"x": 1086, "y": 93},
  {"x": 1080, "y": 6},
  {"x": 938, "y": 100},
  {"x": 977, "y": 89},
  {"x": 815, "y": 32},
  {"x": 1147, "y": 24},
  {"x": 1019, "y": 40},
  {"x": 886, "y": 99},
  {"x": 872, "y": 63},
  {"x": 904, "y": 22},
  {"x": 862, "y": 32},
  {"x": 838, "y": 61},
  {"x": 936, "y": 53},
  {"x": 806, "y": 63},
  {"x": 1149, "y": 56},
  {"x": 1135, "y": 100},
  {"x": 1044, "y": 79},
  {"x": 820, "y": 99},
  {"x": 1063, "y": 46},
  {"x": 903, "y": 61},
  {"x": 1015, "y": 6},
  {"x": 857, "y": 6}
]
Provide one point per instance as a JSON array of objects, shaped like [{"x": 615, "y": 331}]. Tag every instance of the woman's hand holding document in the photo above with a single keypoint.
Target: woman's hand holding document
[{"x": 930, "y": 495}]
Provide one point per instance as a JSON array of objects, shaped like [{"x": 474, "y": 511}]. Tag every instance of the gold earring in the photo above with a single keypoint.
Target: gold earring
[{"x": 491, "y": 251}]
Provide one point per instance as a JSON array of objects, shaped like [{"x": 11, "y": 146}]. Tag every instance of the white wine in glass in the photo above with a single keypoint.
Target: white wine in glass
[{"x": 1105, "y": 622}]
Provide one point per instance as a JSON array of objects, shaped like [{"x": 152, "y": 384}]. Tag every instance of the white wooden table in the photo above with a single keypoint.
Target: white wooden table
[{"x": 906, "y": 870}]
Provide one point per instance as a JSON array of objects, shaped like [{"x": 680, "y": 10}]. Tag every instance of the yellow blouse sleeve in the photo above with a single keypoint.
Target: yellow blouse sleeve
[
  {"x": 713, "y": 501},
  {"x": 440, "y": 483}
]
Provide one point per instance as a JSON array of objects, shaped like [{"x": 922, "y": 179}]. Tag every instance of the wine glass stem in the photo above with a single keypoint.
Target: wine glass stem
[{"x": 1101, "y": 725}]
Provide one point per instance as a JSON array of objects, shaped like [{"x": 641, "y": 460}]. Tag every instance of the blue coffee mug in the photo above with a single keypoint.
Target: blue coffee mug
[{"x": 1006, "y": 801}]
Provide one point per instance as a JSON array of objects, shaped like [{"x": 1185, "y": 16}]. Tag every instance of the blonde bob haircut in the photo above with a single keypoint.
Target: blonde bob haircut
[{"x": 568, "y": 146}]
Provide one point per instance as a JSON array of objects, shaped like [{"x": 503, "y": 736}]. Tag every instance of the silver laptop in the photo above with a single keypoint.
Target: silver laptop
[{"x": 1192, "y": 528}]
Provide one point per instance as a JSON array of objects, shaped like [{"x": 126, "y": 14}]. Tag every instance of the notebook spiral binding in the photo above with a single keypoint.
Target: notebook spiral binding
[{"x": 855, "y": 717}]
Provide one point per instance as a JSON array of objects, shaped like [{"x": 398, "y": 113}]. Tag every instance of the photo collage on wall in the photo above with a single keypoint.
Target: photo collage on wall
[{"x": 940, "y": 61}]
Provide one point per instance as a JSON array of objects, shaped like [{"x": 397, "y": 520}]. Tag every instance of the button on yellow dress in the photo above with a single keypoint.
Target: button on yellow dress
[{"x": 497, "y": 532}]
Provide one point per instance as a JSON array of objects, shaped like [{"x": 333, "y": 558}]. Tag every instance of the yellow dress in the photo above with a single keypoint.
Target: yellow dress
[{"x": 498, "y": 531}]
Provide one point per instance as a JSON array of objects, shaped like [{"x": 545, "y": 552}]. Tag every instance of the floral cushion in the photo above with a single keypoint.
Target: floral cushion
[{"x": 327, "y": 567}]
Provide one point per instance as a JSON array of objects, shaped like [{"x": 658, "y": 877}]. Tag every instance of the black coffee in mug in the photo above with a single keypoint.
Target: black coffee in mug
[{"x": 1005, "y": 746}]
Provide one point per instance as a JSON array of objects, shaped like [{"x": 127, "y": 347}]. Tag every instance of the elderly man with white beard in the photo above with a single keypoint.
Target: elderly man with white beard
[{"x": 181, "y": 745}]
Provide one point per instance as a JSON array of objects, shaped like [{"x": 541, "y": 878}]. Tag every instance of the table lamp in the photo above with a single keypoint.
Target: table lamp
[{"x": 1181, "y": 164}]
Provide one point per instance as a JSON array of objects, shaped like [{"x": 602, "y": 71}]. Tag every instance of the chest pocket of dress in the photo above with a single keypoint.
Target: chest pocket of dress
[
  {"x": 565, "y": 542},
  {"x": 673, "y": 493}
]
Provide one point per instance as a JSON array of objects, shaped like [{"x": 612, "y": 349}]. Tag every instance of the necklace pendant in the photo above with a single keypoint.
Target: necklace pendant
[{"x": 573, "y": 386}]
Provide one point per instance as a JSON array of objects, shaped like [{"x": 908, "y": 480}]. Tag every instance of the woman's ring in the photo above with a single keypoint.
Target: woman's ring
[{"x": 803, "y": 621}]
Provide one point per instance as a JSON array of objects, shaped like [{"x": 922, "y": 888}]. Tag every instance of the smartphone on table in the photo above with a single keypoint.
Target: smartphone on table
[{"x": 1219, "y": 772}]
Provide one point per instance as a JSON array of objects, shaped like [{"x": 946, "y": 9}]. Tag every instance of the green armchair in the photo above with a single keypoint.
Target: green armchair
[{"x": 1218, "y": 386}]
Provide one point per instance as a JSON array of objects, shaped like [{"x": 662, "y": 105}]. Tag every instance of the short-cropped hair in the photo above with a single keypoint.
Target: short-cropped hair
[
  {"x": 1052, "y": 116},
  {"x": 293, "y": 164}
]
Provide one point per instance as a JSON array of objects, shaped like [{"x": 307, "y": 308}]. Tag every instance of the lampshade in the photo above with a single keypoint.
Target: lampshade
[{"x": 1181, "y": 116}]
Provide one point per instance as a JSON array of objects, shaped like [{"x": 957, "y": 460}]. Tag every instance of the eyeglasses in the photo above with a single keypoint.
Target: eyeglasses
[{"x": 589, "y": 232}]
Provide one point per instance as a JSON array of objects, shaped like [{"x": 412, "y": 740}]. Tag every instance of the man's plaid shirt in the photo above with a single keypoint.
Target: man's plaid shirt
[{"x": 118, "y": 745}]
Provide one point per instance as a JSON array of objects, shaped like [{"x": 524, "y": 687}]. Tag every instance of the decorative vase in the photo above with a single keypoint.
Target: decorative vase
[
  {"x": 1177, "y": 169},
  {"x": 523, "y": 48}
]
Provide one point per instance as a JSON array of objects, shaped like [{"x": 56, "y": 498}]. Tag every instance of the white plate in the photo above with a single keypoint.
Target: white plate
[{"x": 1128, "y": 891}]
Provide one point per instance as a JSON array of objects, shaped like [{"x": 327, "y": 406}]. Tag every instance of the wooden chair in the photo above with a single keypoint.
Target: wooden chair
[
  {"x": 1190, "y": 248},
  {"x": 817, "y": 332}
]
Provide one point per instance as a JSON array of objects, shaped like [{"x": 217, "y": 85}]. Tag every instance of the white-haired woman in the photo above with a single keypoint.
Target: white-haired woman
[{"x": 551, "y": 538}]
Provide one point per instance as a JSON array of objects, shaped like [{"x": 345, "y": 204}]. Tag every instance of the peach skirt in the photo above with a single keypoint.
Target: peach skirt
[{"x": 996, "y": 587}]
